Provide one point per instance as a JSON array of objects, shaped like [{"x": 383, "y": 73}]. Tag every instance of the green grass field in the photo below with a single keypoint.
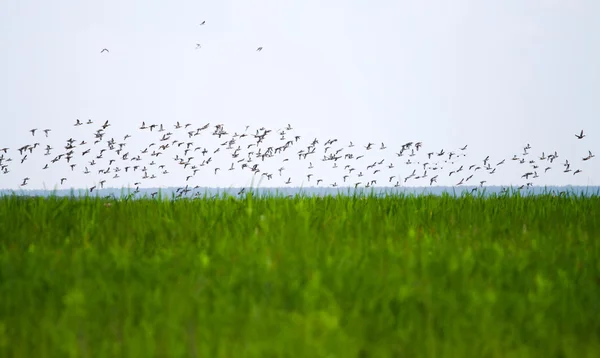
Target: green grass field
[{"x": 420, "y": 276}]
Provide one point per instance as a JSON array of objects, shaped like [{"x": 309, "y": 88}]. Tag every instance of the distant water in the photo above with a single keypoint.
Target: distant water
[{"x": 287, "y": 191}]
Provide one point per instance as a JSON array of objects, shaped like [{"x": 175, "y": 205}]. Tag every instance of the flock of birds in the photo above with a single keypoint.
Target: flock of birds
[
  {"x": 255, "y": 152},
  {"x": 260, "y": 152}
]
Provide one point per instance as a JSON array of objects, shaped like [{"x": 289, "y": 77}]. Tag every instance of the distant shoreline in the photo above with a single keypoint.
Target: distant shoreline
[{"x": 310, "y": 191}]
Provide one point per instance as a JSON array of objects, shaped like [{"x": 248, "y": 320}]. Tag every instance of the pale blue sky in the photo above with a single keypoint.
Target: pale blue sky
[{"x": 495, "y": 75}]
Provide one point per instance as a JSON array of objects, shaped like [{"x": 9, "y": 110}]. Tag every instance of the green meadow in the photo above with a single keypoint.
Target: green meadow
[{"x": 362, "y": 276}]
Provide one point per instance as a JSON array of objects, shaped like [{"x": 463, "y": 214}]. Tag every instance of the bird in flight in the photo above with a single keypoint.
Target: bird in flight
[
  {"x": 104, "y": 50},
  {"x": 259, "y": 49},
  {"x": 590, "y": 156},
  {"x": 203, "y": 22},
  {"x": 581, "y": 135},
  {"x": 198, "y": 46}
]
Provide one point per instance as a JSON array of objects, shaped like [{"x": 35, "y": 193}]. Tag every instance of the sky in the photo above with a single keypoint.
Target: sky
[{"x": 493, "y": 75}]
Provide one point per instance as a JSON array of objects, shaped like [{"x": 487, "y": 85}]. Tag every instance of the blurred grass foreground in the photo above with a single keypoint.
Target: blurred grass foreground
[{"x": 345, "y": 276}]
